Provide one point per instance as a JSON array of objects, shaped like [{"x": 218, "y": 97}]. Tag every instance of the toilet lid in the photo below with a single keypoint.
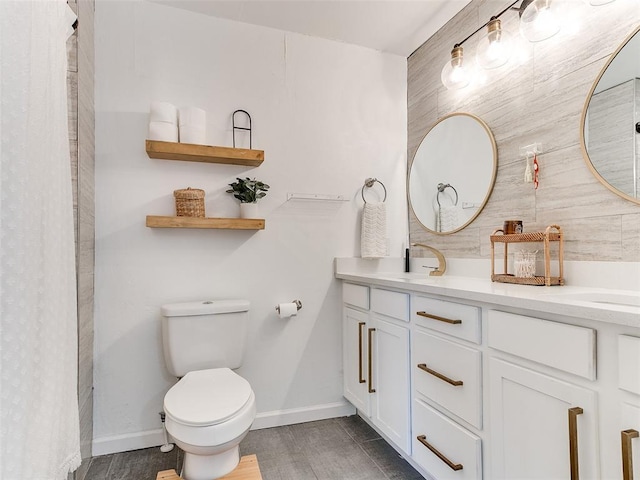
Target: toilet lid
[{"x": 207, "y": 397}]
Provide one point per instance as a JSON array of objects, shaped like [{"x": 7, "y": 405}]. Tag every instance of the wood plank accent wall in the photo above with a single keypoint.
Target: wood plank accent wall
[
  {"x": 80, "y": 80},
  {"x": 540, "y": 100}
]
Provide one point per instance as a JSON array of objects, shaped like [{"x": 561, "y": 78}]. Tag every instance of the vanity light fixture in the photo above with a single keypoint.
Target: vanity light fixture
[
  {"x": 537, "y": 22},
  {"x": 455, "y": 74},
  {"x": 494, "y": 49}
]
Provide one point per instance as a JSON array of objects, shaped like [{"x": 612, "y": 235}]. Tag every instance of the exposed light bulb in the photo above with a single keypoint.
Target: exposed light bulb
[
  {"x": 539, "y": 21},
  {"x": 494, "y": 49},
  {"x": 455, "y": 74}
]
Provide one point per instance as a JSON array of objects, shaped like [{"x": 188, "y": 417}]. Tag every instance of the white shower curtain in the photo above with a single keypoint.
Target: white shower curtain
[{"x": 39, "y": 433}]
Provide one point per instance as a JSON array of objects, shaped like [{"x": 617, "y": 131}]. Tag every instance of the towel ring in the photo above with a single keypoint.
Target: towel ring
[
  {"x": 369, "y": 182},
  {"x": 441, "y": 187}
]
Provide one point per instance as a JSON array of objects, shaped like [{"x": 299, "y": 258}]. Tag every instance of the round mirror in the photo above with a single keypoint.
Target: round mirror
[
  {"x": 610, "y": 125},
  {"x": 453, "y": 173}
]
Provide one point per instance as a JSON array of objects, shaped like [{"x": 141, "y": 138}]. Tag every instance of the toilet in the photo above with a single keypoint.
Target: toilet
[{"x": 210, "y": 409}]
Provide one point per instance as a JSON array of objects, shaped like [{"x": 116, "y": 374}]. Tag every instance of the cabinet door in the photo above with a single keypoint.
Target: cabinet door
[
  {"x": 629, "y": 442},
  {"x": 355, "y": 358},
  {"x": 532, "y": 432},
  {"x": 391, "y": 382}
]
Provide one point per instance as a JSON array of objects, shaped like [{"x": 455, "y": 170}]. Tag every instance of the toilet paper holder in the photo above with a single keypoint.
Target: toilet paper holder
[{"x": 297, "y": 302}]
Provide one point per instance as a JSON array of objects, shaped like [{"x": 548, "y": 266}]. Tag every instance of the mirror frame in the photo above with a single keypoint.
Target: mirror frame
[
  {"x": 492, "y": 183},
  {"x": 583, "y": 119}
]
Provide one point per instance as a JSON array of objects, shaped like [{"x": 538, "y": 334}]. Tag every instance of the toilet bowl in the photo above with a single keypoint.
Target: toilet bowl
[{"x": 208, "y": 412}]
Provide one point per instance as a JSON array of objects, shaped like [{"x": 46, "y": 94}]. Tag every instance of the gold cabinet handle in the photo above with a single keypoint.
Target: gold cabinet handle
[
  {"x": 360, "y": 325},
  {"x": 573, "y": 441},
  {"x": 627, "y": 457},
  {"x": 371, "y": 389},
  {"x": 455, "y": 383},
  {"x": 440, "y": 319},
  {"x": 453, "y": 466}
]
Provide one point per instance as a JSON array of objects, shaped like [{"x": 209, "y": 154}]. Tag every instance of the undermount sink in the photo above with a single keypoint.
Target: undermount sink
[{"x": 621, "y": 299}]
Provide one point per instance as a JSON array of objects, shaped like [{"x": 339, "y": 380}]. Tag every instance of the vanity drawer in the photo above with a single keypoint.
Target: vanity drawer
[
  {"x": 391, "y": 304},
  {"x": 459, "y": 452},
  {"x": 356, "y": 295},
  {"x": 566, "y": 347},
  {"x": 629, "y": 363},
  {"x": 455, "y": 319},
  {"x": 450, "y": 374}
]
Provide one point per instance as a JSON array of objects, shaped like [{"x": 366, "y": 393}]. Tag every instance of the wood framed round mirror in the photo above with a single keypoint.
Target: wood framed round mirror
[
  {"x": 452, "y": 173},
  {"x": 610, "y": 125}
]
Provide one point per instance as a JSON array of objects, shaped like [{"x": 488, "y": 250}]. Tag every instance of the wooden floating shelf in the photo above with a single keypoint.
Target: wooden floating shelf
[
  {"x": 189, "y": 152},
  {"x": 155, "y": 221}
]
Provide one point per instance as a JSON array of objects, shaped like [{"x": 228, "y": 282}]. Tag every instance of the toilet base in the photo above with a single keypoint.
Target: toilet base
[{"x": 210, "y": 467}]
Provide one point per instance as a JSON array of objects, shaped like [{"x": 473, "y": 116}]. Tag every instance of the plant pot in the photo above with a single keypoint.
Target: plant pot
[{"x": 249, "y": 210}]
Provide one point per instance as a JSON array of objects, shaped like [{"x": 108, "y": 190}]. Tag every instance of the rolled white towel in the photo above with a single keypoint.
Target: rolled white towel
[
  {"x": 192, "y": 117},
  {"x": 373, "y": 242},
  {"x": 163, "y": 112},
  {"x": 163, "y": 131},
  {"x": 192, "y": 135}
]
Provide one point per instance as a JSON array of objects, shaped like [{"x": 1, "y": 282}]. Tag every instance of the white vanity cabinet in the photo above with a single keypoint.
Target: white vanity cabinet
[
  {"x": 376, "y": 359},
  {"x": 478, "y": 383},
  {"x": 447, "y": 388},
  {"x": 541, "y": 426}
]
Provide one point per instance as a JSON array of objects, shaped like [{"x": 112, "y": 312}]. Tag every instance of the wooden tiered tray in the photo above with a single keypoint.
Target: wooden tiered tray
[{"x": 553, "y": 233}]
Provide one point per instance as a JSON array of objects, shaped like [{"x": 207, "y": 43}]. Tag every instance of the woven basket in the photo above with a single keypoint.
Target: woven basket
[{"x": 189, "y": 202}]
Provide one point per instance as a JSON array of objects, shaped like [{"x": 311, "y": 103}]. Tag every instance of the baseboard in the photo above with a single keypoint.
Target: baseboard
[
  {"x": 129, "y": 441},
  {"x": 276, "y": 418},
  {"x": 279, "y": 418}
]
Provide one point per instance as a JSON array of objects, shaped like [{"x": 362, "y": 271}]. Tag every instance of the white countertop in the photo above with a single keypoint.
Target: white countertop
[{"x": 600, "y": 304}]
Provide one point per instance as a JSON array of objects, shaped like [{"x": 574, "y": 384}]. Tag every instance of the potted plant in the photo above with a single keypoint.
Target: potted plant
[{"x": 248, "y": 191}]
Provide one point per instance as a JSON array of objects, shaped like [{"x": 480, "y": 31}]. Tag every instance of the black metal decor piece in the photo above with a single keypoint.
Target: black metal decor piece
[
  {"x": 241, "y": 128},
  {"x": 638, "y": 127}
]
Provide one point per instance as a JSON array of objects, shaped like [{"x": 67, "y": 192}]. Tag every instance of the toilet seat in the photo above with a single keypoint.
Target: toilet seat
[{"x": 207, "y": 397}]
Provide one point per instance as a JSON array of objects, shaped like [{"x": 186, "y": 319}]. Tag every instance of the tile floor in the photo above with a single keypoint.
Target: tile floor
[{"x": 335, "y": 449}]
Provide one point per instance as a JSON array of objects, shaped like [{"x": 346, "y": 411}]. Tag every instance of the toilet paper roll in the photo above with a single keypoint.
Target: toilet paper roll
[
  {"x": 163, "y": 131},
  {"x": 192, "y": 117},
  {"x": 192, "y": 135},
  {"x": 163, "y": 112},
  {"x": 287, "y": 310}
]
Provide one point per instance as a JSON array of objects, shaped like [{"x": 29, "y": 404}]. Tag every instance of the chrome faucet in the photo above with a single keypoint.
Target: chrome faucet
[{"x": 442, "y": 263}]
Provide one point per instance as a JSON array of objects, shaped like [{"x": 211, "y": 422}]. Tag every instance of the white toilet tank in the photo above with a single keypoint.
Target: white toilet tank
[{"x": 202, "y": 335}]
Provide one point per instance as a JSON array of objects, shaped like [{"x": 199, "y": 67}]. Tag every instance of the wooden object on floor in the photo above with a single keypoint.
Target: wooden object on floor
[
  {"x": 247, "y": 469},
  {"x": 204, "y": 153},
  {"x": 155, "y": 221}
]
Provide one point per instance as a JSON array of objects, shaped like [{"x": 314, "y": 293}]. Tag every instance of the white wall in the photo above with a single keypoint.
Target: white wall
[{"x": 327, "y": 115}]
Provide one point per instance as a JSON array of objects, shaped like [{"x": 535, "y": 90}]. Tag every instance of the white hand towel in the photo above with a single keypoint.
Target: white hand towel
[
  {"x": 373, "y": 242},
  {"x": 449, "y": 218}
]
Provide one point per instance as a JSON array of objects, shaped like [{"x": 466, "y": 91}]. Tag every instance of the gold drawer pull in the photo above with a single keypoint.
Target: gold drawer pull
[
  {"x": 360, "y": 325},
  {"x": 455, "y": 383},
  {"x": 453, "y": 466},
  {"x": 573, "y": 441},
  {"x": 371, "y": 389},
  {"x": 627, "y": 457},
  {"x": 440, "y": 319}
]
